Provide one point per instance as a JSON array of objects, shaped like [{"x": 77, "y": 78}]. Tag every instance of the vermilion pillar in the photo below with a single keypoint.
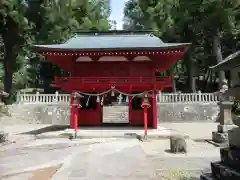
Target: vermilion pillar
[
  {"x": 75, "y": 119},
  {"x": 71, "y": 113},
  {"x": 130, "y": 110},
  {"x": 154, "y": 108}
]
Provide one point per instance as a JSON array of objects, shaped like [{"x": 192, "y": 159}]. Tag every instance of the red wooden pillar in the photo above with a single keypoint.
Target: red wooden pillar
[
  {"x": 71, "y": 113},
  {"x": 130, "y": 110},
  {"x": 154, "y": 108}
]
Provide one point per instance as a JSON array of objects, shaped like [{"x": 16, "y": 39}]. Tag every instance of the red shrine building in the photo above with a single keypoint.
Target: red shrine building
[{"x": 102, "y": 65}]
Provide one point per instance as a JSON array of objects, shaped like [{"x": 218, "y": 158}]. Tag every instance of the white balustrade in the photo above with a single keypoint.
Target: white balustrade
[
  {"x": 161, "y": 98},
  {"x": 43, "y": 98},
  {"x": 187, "y": 97}
]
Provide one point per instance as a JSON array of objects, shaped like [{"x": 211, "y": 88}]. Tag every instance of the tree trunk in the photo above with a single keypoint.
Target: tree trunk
[
  {"x": 218, "y": 54},
  {"x": 174, "y": 89},
  {"x": 190, "y": 75},
  {"x": 8, "y": 75}
]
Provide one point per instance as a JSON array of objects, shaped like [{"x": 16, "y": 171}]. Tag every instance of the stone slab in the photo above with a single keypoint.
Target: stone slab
[
  {"x": 219, "y": 137},
  {"x": 223, "y": 172},
  {"x": 206, "y": 176},
  {"x": 225, "y": 144},
  {"x": 234, "y": 137},
  {"x": 225, "y": 128}
]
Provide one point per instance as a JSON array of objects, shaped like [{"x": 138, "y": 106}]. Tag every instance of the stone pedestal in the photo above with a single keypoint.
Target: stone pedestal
[
  {"x": 226, "y": 123},
  {"x": 228, "y": 168}
]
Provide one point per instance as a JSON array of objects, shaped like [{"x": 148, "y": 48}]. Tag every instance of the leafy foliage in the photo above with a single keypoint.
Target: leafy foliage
[
  {"x": 27, "y": 22},
  {"x": 211, "y": 26}
]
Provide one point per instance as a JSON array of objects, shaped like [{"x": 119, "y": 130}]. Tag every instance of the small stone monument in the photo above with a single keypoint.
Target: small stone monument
[
  {"x": 178, "y": 144},
  {"x": 228, "y": 168},
  {"x": 220, "y": 137}
]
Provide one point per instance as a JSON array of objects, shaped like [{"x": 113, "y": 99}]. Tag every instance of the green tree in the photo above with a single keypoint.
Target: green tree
[
  {"x": 14, "y": 28},
  {"x": 207, "y": 24}
]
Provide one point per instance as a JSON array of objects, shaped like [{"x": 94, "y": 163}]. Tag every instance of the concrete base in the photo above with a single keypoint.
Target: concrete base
[
  {"x": 111, "y": 133},
  {"x": 225, "y": 128},
  {"x": 220, "y": 137}
]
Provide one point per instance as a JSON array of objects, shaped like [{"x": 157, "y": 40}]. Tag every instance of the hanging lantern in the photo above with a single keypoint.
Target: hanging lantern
[
  {"x": 98, "y": 99},
  {"x": 112, "y": 93},
  {"x": 145, "y": 103}
]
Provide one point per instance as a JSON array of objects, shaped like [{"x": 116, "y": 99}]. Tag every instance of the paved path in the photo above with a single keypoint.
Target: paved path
[
  {"x": 117, "y": 159},
  {"x": 123, "y": 159},
  {"x": 131, "y": 159},
  {"x": 40, "y": 153}
]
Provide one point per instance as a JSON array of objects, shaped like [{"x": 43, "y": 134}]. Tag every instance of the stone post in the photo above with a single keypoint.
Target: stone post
[
  {"x": 56, "y": 96},
  {"x": 37, "y": 96},
  {"x": 199, "y": 96}
]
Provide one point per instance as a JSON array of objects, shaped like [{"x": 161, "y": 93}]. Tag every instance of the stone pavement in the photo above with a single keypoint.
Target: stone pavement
[
  {"x": 130, "y": 159},
  {"x": 110, "y": 158},
  {"x": 39, "y": 154},
  {"x": 196, "y": 130}
]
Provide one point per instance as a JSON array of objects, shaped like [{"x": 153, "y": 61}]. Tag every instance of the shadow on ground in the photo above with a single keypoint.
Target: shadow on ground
[{"x": 47, "y": 129}]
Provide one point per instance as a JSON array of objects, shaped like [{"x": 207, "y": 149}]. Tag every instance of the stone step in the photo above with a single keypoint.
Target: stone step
[
  {"x": 115, "y": 107},
  {"x": 221, "y": 171},
  {"x": 231, "y": 157},
  {"x": 114, "y": 112},
  {"x": 207, "y": 176},
  {"x": 114, "y": 116}
]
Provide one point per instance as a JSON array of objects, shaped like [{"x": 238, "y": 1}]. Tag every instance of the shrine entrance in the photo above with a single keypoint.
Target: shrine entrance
[{"x": 115, "y": 109}]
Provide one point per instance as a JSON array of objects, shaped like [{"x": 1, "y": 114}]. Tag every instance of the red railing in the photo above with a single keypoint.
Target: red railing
[{"x": 114, "y": 80}]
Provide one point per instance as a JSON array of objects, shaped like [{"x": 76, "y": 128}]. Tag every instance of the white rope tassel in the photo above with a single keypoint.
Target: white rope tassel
[
  {"x": 98, "y": 99},
  {"x": 127, "y": 99},
  {"x": 102, "y": 100},
  {"x": 88, "y": 100}
]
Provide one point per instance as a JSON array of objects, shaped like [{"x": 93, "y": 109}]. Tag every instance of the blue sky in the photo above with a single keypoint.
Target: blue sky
[{"x": 117, "y": 7}]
